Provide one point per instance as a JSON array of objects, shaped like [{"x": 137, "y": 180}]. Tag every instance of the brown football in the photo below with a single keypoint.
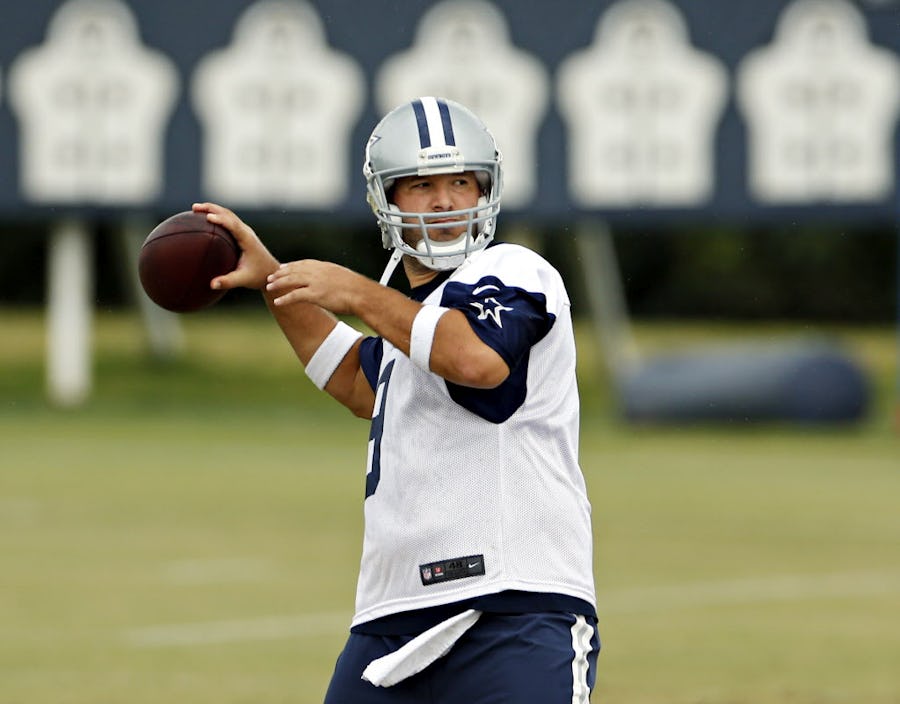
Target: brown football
[{"x": 181, "y": 256}]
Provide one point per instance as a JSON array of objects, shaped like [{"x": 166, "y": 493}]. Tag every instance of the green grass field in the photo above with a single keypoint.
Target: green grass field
[{"x": 192, "y": 534}]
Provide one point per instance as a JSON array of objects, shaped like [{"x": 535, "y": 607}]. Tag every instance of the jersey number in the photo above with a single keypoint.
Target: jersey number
[{"x": 373, "y": 471}]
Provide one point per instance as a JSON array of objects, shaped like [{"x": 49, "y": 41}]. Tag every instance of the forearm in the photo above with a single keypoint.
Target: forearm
[
  {"x": 457, "y": 353},
  {"x": 387, "y": 311},
  {"x": 306, "y": 326}
]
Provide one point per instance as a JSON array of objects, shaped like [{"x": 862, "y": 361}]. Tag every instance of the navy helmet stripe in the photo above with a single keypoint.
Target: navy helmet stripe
[
  {"x": 422, "y": 122},
  {"x": 449, "y": 139}
]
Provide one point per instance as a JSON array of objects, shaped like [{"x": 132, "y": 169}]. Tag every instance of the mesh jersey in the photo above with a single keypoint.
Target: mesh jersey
[{"x": 472, "y": 492}]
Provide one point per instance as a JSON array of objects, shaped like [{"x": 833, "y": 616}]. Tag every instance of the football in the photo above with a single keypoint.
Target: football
[{"x": 181, "y": 256}]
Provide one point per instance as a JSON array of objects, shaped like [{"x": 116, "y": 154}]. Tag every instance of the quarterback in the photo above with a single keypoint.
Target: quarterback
[{"x": 476, "y": 579}]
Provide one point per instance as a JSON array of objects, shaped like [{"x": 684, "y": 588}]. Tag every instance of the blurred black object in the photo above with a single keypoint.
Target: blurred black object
[{"x": 803, "y": 381}]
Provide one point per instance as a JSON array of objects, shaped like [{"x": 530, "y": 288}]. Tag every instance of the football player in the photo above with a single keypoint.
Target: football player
[{"x": 476, "y": 579}]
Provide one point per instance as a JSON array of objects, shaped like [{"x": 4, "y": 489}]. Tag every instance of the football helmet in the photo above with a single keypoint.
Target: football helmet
[{"x": 433, "y": 136}]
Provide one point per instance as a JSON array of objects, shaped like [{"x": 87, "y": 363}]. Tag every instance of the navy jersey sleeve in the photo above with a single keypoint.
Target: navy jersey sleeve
[
  {"x": 370, "y": 353},
  {"x": 510, "y": 320}
]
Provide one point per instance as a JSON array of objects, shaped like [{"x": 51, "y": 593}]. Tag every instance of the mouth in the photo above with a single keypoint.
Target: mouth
[{"x": 437, "y": 221}]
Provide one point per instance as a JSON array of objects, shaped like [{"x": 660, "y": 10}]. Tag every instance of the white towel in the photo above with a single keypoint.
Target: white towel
[{"x": 420, "y": 652}]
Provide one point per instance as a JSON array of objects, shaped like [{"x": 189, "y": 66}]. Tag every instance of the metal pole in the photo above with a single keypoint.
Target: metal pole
[
  {"x": 164, "y": 331},
  {"x": 70, "y": 290},
  {"x": 606, "y": 297}
]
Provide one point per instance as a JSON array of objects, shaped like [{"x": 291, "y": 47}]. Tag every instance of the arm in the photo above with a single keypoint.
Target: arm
[
  {"x": 305, "y": 325},
  {"x": 458, "y": 354}
]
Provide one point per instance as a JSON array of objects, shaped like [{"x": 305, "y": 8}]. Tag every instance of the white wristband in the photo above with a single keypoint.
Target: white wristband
[
  {"x": 422, "y": 335},
  {"x": 330, "y": 353}
]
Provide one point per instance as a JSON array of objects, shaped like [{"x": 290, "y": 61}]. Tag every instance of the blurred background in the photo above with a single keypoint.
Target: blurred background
[{"x": 717, "y": 182}]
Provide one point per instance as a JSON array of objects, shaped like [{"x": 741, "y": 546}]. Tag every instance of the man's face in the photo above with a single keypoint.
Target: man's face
[{"x": 436, "y": 194}]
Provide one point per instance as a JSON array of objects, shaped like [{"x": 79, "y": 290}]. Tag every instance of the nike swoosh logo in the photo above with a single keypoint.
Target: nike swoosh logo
[{"x": 487, "y": 287}]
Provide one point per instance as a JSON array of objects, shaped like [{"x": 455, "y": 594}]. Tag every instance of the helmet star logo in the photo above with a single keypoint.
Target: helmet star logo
[{"x": 491, "y": 308}]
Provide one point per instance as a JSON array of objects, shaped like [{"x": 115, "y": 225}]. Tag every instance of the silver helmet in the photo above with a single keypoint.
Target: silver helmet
[{"x": 433, "y": 136}]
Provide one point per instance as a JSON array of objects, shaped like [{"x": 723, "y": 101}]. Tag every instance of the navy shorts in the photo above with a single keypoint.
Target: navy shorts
[{"x": 545, "y": 658}]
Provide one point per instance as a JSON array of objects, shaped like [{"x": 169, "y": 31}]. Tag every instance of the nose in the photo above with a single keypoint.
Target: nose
[{"x": 441, "y": 197}]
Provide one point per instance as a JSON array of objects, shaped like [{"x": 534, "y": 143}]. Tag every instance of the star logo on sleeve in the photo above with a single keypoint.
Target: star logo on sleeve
[{"x": 490, "y": 308}]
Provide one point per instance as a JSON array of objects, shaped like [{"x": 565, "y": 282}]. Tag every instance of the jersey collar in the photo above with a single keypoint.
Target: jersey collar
[{"x": 420, "y": 293}]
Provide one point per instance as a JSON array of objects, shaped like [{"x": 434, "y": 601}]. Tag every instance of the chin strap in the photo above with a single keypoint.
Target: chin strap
[{"x": 396, "y": 256}]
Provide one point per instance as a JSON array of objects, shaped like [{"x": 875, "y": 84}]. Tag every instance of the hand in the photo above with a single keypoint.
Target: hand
[
  {"x": 328, "y": 285},
  {"x": 256, "y": 262}
]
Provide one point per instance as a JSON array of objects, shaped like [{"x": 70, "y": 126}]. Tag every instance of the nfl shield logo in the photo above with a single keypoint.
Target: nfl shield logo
[{"x": 426, "y": 574}]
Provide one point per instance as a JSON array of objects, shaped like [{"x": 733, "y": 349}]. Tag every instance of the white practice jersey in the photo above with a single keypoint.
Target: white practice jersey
[{"x": 475, "y": 492}]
